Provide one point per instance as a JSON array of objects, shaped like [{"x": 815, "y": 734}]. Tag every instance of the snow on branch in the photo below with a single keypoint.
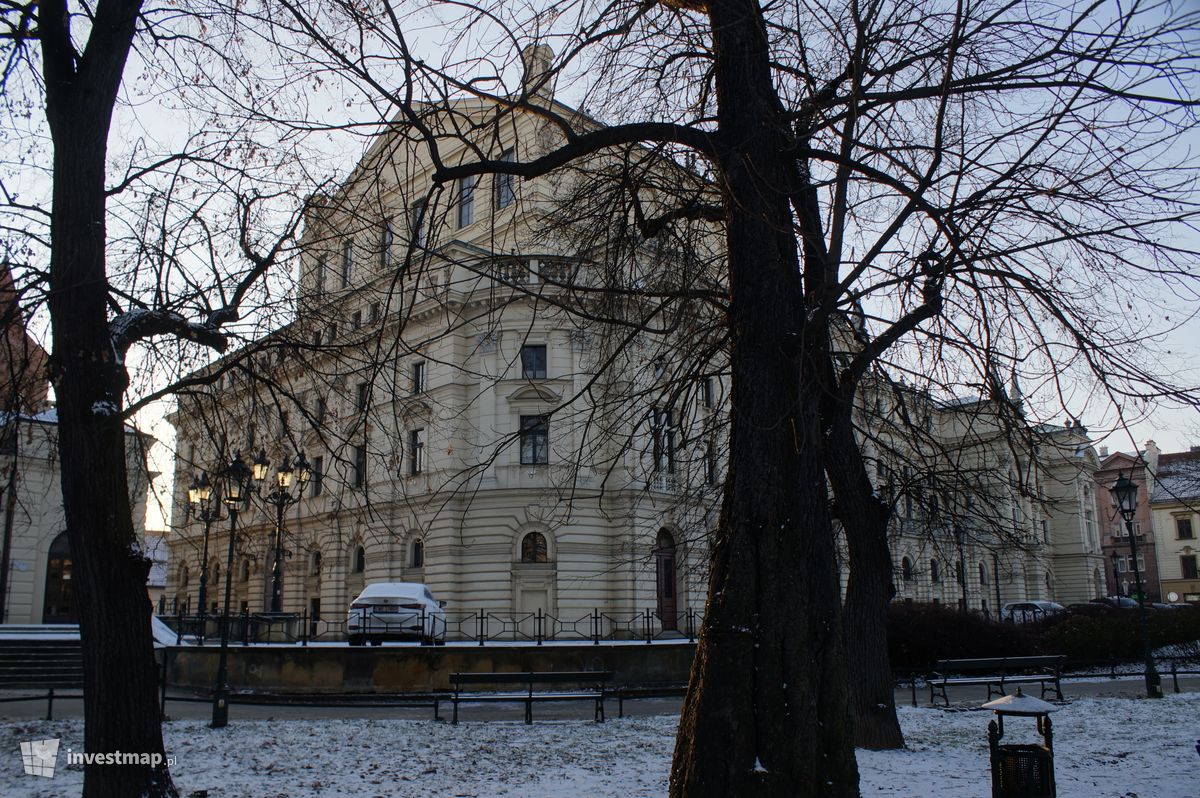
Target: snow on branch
[{"x": 136, "y": 325}]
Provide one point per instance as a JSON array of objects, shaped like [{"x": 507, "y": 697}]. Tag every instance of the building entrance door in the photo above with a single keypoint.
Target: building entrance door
[
  {"x": 664, "y": 559},
  {"x": 59, "y": 605}
]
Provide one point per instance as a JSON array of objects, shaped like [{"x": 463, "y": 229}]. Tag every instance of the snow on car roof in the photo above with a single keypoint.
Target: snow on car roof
[{"x": 394, "y": 589}]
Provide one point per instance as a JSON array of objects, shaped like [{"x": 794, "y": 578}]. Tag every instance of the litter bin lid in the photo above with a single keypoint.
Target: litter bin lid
[{"x": 1020, "y": 704}]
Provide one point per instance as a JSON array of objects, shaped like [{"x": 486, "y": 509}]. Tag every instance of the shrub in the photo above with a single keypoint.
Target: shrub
[
  {"x": 921, "y": 634},
  {"x": 1092, "y": 638}
]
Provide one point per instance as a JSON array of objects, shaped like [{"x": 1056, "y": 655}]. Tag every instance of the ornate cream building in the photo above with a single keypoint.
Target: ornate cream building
[
  {"x": 465, "y": 427},
  {"x": 528, "y": 417}
]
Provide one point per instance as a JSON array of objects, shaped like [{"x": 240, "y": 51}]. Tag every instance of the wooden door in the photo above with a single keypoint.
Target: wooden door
[{"x": 664, "y": 558}]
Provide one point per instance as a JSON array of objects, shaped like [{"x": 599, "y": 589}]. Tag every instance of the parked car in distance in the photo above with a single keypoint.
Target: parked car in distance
[
  {"x": 1026, "y": 611},
  {"x": 396, "y": 611},
  {"x": 1116, "y": 602}
]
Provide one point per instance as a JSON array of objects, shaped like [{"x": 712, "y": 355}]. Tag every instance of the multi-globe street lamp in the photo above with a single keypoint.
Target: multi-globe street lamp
[
  {"x": 1125, "y": 492},
  {"x": 202, "y": 508},
  {"x": 236, "y": 478},
  {"x": 280, "y": 498}
]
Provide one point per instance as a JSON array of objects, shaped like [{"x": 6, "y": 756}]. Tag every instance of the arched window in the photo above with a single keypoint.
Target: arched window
[
  {"x": 418, "y": 554},
  {"x": 906, "y": 569},
  {"x": 314, "y": 564},
  {"x": 533, "y": 548},
  {"x": 360, "y": 560},
  {"x": 214, "y": 574},
  {"x": 245, "y": 574},
  {"x": 183, "y": 577},
  {"x": 935, "y": 572},
  {"x": 983, "y": 574}
]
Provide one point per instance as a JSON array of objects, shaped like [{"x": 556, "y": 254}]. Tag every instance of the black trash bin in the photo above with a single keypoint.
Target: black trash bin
[{"x": 1021, "y": 770}]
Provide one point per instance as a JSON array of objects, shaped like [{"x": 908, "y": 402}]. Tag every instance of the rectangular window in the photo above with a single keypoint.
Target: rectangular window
[
  {"x": 418, "y": 377},
  {"x": 663, "y": 432},
  {"x": 466, "y": 201},
  {"x": 317, "y": 479},
  {"x": 319, "y": 275},
  {"x": 706, "y": 392},
  {"x": 386, "y": 238},
  {"x": 347, "y": 263},
  {"x": 316, "y": 341},
  {"x": 506, "y": 187},
  {"x": 533, "y": 362},
  {"x": 710, "y": 464},
  {"x": 418, "y": 225},
  {"x": 360, "y": 466},
  {"x": 416, "y": 452},
  {"x": 356, "y": 320},
  {"x": 361, "y": 397},
  {"x": 1187, "y": 566},
  {"x": 1183, "y": 529},
  {"x": 330, "y": 333},
  {"x": 535, "y": 440},
  {"x": 375, "y": 312}
]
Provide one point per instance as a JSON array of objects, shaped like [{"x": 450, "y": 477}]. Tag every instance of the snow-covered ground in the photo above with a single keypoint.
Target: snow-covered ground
[{"x": 1110, "y": 747}]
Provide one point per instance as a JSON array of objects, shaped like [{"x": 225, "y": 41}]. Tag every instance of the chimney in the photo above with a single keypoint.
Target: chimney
[
  {"x": 1103, "y": 452},
  {"x": 538, "y": 80}
]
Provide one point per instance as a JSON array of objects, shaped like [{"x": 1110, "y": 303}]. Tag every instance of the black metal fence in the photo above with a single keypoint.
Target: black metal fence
[{"x": 477, "y": 627}]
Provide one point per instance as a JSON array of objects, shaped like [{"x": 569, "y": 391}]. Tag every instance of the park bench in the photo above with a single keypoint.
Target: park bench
[
  {"x": 652, "y": 690},
  {"x": 586, "y": 686},
  {"x": 36, "y": 661},
  {"x": 997, "y": 673}
]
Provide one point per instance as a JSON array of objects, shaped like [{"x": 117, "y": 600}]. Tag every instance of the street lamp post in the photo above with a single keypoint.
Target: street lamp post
[
  {"x": 1125, "y": 492},
  {"x": 200, "y": 505},
  {"x": 959, "y": 532},
  {"x": 1116, "y": 559},
  {"x": 237, "y": 478},
  {"x": 280, "y": 498}
]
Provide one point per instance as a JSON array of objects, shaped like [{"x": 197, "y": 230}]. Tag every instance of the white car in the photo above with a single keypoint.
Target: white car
[
  {"x": 396, "y": 611},
  {"x": 1025, "y": 611}
]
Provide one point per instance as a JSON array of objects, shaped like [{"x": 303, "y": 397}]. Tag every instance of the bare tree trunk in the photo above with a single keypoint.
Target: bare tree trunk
[
  {"x": 766, "y": 712},
  {"x": 869, "y": 590},
  {"x": 120, "y": 705}
]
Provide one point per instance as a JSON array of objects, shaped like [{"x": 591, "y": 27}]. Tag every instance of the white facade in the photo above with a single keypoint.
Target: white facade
[{"x": 39, "y": 576}]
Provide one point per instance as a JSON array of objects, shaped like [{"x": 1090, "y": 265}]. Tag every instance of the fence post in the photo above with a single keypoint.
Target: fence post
[
  {"x": 304, "y": 627},
  {"x": 424, "y": 640},
  {"x": 1175, "y": 673},
  {"x": 50, "y": 704},
  {"x": 537, "y": 626},
  {"x": 646, "y": 625},
  {"x": 691, "y": 624},
  {"x": 179, "y": 630},
  {"x": 245, "y": 627},
  {"x": 595, "y": 626},
  {"x": 162, "y": 696},
  {"x": 481, "y": 623}
]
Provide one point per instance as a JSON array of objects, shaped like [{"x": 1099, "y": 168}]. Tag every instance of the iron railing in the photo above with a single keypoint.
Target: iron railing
[{"x": 478, "y": 627}]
